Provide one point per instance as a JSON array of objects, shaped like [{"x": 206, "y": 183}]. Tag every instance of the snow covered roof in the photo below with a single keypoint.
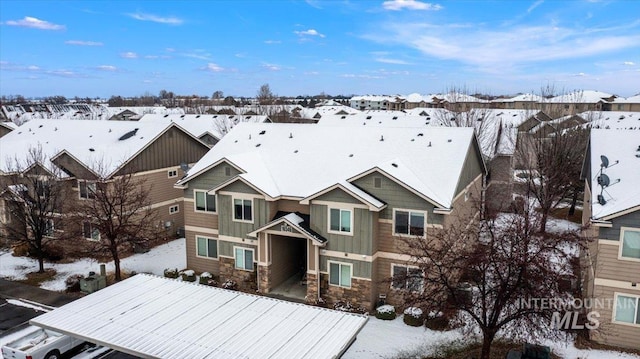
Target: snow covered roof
[
  {"x": 622, "y": 146},
  {"x": 586, "y": 96},
  {"x": 299, "y": 160},
  {"x": 617, "y": 120},
  {"x": 525, "y": 97},
  {"x": 89, "y": 142},
  {"x": 157, "y": 317},
  {"x": 374, "y": 98},
  {"x": 199, "y": 125},
  {"x": 632, "y": 99}
]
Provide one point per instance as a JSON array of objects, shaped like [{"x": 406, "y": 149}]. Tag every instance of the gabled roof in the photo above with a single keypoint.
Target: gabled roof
[
  {"x": 299, "y": 160},
  {"x": 615, "y": 120},
  {"x": 299, "y": 221},
  {"x": 367, "y": 199},
  {"x": 624, "y": 147},
  {"x": 200, "y": 125},
  {"x": 586, "y": 96},
  {"x": 107, "y": 144}
]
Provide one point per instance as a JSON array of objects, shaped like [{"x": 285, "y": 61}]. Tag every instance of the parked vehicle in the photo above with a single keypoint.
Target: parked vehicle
[{"x": 40, "y": 344}]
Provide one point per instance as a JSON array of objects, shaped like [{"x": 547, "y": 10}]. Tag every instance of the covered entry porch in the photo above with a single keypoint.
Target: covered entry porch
[{"x": 288, "y": 263}]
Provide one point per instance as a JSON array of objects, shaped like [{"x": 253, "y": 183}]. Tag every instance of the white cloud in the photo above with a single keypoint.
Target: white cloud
[
  {"x": 33, "y": 68},
  {"x": 35, "y": 23},
  {"x": 129, "y": 55},
  {"x": 535, "y": 5},
  {"x": 271, "y": 42},
  {"x": 397, "y": 5},
  {"x": 83, "y": 43},
  {"x": 310, "y": 32},
  {"x": 109, "y": 68},
  {"x": 271, "y": 67},
  {"x": 629, "y": 63},
  {"x": 392, "y": 61},
  {"x": 171, "y": 20},
  {"x": 497, "y": 49},
  {"x": 213, "y": 67}
]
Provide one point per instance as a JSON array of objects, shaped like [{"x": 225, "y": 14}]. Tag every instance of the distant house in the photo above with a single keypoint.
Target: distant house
[
  {"x": 6, "y": 127},
  {"x": 525, "y": 101},
  {"x": 86, "y": 151},
  {"x": 612, "y": 213},
  {"x": 208, "y": 128},
  {"x": 576, "y": 102},
  {"x": 325, "y": 208}
]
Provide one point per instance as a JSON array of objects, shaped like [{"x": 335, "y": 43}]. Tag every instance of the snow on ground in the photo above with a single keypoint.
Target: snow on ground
[
  {"x": 171, "y": 254},
  {"x": 378, "y": 338}
]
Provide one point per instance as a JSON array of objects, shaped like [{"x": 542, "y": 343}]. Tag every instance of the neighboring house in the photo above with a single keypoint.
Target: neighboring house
[
  {"x": 85, "y": 151},
  {"x": 626, "y": 104},
  {"x": 612, "y": 213},
  {"x": 371, "y": 102},
  {"x": 578, "y": 101},
  {"x": 208, "y": 128},
  {"x": 525, "y": 101},
  {"x": 325, "y": 206},
  {"x": 6, "y": 127}
]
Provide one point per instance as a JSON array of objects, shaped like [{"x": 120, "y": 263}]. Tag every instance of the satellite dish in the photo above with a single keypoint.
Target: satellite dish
[
  {"x": 605, "y": 161},
  {"x": 601, "y": 200},
  {"x": 603, "y": 180}
]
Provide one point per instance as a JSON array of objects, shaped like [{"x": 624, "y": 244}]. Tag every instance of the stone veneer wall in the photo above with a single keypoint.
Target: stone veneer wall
[
  {"x": 264, "y": 274},
  {"x": 312, "y": 288},
  {"x": 358, "y": 295},
  {"x": 246, "y": 280}
]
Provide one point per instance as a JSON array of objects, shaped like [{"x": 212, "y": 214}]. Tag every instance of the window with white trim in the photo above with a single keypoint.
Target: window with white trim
[
  {"x": 627, "y": 309},
  {"x": 630, "y": 246},
  {"x": 172, "y": 173},
  {"x": 340, "y": 274},
  {"x": 49, "y": 227},
  {"x": 174, "y": 209},
  {"x": 243, "y": 258},
  {"x": 204, "y": 201},
  {"x": 340, "y": 220},
  {"x": 87, "y": 189},
  {"x": 405, "y": 277},
  {"x": 90, "y": 232},
  {"x": 243, "y": 209},
  {"x": 410, "y": 223},
  {"x": 206, "y": 247}
]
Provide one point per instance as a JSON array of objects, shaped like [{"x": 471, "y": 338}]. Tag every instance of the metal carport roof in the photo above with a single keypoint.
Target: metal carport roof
[{"x": 155, "y": 317}]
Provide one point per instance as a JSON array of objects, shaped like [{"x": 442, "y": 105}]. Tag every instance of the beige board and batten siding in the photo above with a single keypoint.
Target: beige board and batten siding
[
  {"x": 471, "y": 169},
  {"x": 631, "y": 220},
  {"x": 359, "y": 242},
  {"x": 172, "y": 148},
  {"x": 233, "y": 228},
  {"x": 613, "y": 333}
]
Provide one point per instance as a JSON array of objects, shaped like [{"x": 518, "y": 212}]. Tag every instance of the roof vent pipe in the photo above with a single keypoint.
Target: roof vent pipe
[{"x": 381, "y": 138}]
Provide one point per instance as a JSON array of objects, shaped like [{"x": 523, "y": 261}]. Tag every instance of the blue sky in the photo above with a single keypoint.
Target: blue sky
[{"x": 94, "y": 48}]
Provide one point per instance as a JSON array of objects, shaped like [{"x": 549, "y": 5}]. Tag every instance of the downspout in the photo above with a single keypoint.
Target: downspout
[{"x": 318, "y": 270}]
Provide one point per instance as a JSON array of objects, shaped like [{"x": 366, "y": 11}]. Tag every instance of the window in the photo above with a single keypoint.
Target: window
[
  {"x": 244, "y": 258},
  {"x": 174, "y": 209},
  {"x": 408, "y": 223},
  {"x": 207, "y": 247},
  {"x": 90, "y": 232},
  {"x": 205, "y": 202},
  {"x": 87, "y": 189},
  {"x": 627, "y": 309},
  {"x": 172, "y": 173},
  {"x": 49, "y": 227},
  {"x": 406, "y": 277},
  {"x": 630, "y": 247},
  {"x": 340, "y": 274},
  {"x": 340, "y": 220},
  {"x": 242, "y": 210}
]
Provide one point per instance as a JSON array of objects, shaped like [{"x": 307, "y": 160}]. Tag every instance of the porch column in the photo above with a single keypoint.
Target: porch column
[
  {"x": 313, "y": 272},
  {"x": 264, "y": 260}
]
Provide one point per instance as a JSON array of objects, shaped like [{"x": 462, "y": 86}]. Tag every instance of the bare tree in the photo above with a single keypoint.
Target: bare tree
[
  {"x": 265, "y": 96},
  {"x": 118, "y": 215},
  {"x": 33, "y": 198},
  {"x": 489, "y": 274},
  {"x": 551, "y": 166}
]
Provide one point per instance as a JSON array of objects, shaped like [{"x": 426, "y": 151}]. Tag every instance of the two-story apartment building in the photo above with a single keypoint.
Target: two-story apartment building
[
  {"x": 611, "y": 279},
  {"x": 328, "y": 207},
  {"x": 81, "y": 152}
]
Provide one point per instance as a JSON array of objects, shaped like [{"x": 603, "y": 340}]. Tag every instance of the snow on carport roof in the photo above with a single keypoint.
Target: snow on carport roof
[{"x": 155, "y": 317}]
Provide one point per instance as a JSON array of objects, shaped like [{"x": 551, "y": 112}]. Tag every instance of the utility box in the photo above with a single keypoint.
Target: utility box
[{"x": 93, "y": 282}]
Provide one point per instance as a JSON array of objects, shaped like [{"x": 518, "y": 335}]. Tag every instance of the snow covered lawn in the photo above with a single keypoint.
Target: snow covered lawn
[
  {"x": 171, "y": 254},
  {"x": 378, "y": 339}
]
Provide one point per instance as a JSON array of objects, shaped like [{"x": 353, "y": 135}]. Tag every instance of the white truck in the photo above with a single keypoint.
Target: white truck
[{"x": 40, "y": 344}]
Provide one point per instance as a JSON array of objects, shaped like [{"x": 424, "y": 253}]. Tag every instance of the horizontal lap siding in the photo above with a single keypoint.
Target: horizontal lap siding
[
  {"x": 161, "y": 186},
  {"x": 196, "y": 263},
  {"x": 608, "y": 266},
  {"x": 612, "y": 333},
  {"x": 198, "y": 219}
]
